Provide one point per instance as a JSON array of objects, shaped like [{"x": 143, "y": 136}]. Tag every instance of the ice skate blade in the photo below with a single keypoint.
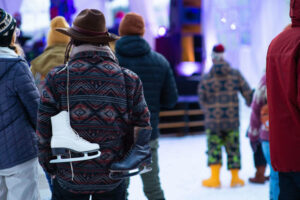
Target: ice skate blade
[
  {"x": 121, "y": 174},
  {"x": 85, "y": 157}
]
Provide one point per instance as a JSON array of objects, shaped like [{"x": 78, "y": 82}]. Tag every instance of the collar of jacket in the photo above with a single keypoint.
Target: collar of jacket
[
  {"x": 6, "y": 52},
  {"x": 87, "y": 50},
  {"x": 132, "y": 46}
]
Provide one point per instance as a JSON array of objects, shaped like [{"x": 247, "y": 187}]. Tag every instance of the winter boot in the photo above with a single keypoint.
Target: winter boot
[
  {"x": 235, "y": 180},
  {"x": 259, "y": 175},
  {"x": 214, "y": 180},
  {"x": 138, "y": 159}
]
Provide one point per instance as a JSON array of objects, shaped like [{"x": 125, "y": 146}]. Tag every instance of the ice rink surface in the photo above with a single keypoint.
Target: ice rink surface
[{"x": 183, "y": 167}]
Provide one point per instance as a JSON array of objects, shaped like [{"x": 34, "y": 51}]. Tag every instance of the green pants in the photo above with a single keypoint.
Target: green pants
[
  {"x": 230, "y": 139},
  {"x": 151, "y": 182}
]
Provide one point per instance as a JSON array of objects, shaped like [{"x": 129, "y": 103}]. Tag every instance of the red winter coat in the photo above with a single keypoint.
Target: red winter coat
[{"x": 283, "y": 86}]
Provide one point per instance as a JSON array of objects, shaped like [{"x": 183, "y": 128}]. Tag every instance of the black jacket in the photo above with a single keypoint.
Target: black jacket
[{"x": 155, "y": 72}]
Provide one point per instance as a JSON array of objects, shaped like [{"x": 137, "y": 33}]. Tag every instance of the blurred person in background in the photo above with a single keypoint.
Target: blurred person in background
[
  {"x": 54, "y": 53},
  {"x": 18, "y": 114},
  {"x": 218, "y": 96},
  {"x": 259, "y": 135},
  {"x": 134, "y": 53}
]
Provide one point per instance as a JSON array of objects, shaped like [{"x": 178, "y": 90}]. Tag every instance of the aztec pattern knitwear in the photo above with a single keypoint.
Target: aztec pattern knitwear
[
  {"x": 218, "y": 95},
  {"x": 101, "y": 93}
]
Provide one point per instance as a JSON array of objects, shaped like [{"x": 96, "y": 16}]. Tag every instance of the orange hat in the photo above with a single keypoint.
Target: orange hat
[
  {"x": 55, "y": 37},
  {"x": 132, "y": 24}
]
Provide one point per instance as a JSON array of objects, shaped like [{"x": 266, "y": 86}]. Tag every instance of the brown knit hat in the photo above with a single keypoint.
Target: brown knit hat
[
  {"x": 55, "y": 37},
  {"x": 132, "y": 24}
]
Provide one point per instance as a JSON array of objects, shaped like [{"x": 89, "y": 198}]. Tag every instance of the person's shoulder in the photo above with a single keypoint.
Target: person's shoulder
[
  {"x": 205, "y": 77},
  {"x": 129, "y": 74},
  {"x": 58, "y": 70},
  {"x": 18, "y": 64},
  {"x": 157, "y": 57}
]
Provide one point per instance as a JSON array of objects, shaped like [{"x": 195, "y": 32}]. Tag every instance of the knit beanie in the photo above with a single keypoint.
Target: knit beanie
[
  {"x": 218, "y": 52},
  {"x": 7, "y": 28},
  {"x": 55, "y": 37},
  {"x": 132, "y": 24}
]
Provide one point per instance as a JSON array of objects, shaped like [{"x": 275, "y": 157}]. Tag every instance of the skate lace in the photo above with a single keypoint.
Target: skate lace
[{"x": 68, "y": 104}]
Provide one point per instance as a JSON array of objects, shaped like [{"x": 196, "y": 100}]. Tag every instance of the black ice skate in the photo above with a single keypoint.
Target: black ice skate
[{"x": 137, "y": 160}]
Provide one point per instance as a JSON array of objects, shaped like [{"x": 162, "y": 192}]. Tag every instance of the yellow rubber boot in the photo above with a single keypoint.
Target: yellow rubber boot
[
  {"x": 214, "y": 180},
  {"x": 235, "y": 180}
]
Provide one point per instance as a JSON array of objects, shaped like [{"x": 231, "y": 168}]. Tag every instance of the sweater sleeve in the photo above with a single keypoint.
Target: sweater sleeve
[
  {"x": 245, "y": 89},
  {"x": 140, "y": 114},
  {"x": 169, "y": 93},
  {"x": 47, "y": 109},
  {"x": 255, "y": 122},
  {"x": 27, "y": 91}
]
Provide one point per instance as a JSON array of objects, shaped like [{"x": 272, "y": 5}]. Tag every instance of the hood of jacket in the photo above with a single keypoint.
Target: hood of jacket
[
  {"x": 220, "y": 69},
  {"x": 132, "y": 46},
  {"x": 295, "y": 12},
  {"x": 52, "y": 56}
]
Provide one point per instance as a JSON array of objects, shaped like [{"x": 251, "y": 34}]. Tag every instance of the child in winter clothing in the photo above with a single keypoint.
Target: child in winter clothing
[
  {"x": 218, "y": 95},
  {"x": 259, "y": 130}
]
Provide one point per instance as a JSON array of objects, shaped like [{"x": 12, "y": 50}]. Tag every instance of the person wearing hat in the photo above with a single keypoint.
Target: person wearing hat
[
  {"x": 160, "y": 89},
  {"x": 106, "y": 101},
  {"x": 18, "y": 107},
  {"x": 218, "y": 96},
  {"x": 54, "y": 53}
]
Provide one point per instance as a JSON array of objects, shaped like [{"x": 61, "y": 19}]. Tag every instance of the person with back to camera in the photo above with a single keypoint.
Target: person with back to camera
[
  {"x": 105, "y": 107},
  {"x": 160, "y": 90},
  {"x": 218, "y": 96},
  {"x": 283, "y": 86},
  {"x": 19, "y": 99}
]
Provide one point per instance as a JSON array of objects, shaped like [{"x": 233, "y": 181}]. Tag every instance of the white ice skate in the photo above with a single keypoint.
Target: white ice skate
[{"x": 64, "y": 138}]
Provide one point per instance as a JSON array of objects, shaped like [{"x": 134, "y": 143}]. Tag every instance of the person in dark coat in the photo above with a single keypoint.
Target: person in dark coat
[
  {"x": 19, "y": 99},
  {"x": 134, "y": 53},
  {"x": 283, "y": 85}
]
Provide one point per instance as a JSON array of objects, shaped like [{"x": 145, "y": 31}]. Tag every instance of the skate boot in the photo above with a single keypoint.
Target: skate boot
[
  {"x": 214, "y": 180},
  {"x": 259, "y": 175},
  {"x": 235, "y": 180},
  {"x": 65, "y": 139},
  {"x": 137, "y": 160}
]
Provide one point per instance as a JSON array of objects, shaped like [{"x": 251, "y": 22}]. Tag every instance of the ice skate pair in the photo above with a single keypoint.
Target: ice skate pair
[
  {"x": 65, "y": 139},
  {"x": 214, "y": 180},
  {"x": 138, "y": 159}
]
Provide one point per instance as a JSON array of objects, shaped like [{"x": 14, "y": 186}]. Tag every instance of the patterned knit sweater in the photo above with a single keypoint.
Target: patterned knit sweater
[
  {"x": 218, "y": 95},
  {"x": 105, "y": 102}
]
